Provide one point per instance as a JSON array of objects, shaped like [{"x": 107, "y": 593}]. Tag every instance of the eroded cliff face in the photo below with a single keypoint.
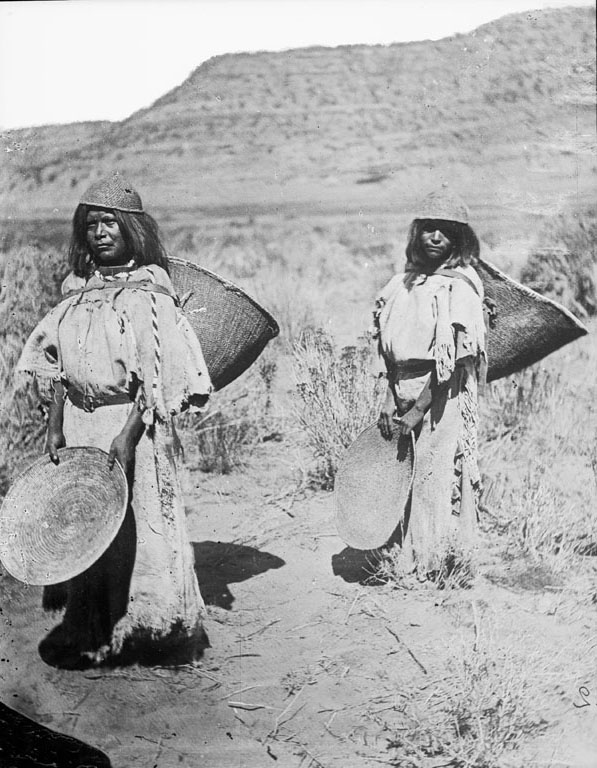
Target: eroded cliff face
[{"x": 345, "y": 126}]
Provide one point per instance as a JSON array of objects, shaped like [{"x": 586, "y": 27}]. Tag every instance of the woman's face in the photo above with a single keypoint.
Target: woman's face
[
  {"x": 104, "y": 238},
  {"x": 437, "y": 239}
]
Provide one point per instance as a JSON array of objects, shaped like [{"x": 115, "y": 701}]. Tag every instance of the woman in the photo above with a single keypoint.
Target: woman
[
  {"x": 431, "y": 337},
  {"x": 115, "y": 384}
]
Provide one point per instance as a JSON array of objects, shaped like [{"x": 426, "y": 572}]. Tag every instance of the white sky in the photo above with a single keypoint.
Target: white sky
[{"x": 70, "y": 60}]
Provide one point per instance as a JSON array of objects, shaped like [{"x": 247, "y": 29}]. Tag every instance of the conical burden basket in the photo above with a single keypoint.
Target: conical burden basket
[
  {"x": 526, "y": 326},
  {"x": 232, "y": 327},
  {"x": 372, "y": 487}
]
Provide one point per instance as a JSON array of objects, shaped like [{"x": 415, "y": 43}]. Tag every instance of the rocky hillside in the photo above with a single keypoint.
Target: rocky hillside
[{"x": 506, "y": 111}]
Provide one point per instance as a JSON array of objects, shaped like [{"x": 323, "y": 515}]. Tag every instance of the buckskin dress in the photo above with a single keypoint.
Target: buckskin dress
[
  {"x": 142, "y": 596},
  {"x": 434, "y": 323}
]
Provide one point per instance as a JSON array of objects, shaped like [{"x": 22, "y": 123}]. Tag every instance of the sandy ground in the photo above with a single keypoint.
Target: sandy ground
[{"x": 310, "y": 664}]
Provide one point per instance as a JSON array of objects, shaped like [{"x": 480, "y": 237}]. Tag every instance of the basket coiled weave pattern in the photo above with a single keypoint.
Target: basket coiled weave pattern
[
  {"x": 56, "y": 521},
  {"x": 232, "y": 327}
]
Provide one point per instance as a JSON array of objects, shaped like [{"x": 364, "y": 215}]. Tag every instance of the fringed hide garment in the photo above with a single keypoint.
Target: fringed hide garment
[
  {"x": 432, "y": 325},
  {"x": 106, "y": 339}
]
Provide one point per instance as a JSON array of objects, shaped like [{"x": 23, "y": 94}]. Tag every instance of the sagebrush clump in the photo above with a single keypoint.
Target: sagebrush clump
[
  {"x": 563, "y": 264},
  {"x": 31, "y": 281},
  {"x": 338, "y": 398},
  {"x": 478, "y": 712},
  {"x": 239, "y": 418},
  {"x": 538, "y": 449}
]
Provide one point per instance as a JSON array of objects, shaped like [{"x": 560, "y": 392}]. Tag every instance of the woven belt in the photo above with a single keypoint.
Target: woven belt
[
  {"x": 419, "y": 368},
  {"x": 89, "y": 403}
]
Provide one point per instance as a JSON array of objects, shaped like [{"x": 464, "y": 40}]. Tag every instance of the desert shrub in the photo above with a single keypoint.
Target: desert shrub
[
  {"x": 290, "y": 299},
  {"x": 308, "y": 276},
  {"x": 563, "y": 264},
  {"x": 478, "y": 713},
  {"x": 31, "y": 281},
  {"x": 576, "y": 231},
  {"x": 338, "y": 397},
  {"x": 538, "y": 452},
  {"x": 456, "y": 571},
  {"x": 240, "y": 417},
  {"x": 565, "y": 276},
  {"x": 543, "y": 522},
  {"x": 508, "y": 405},
  {"x": 221, "y": 442},
  {"x": 31, "y": 286}
]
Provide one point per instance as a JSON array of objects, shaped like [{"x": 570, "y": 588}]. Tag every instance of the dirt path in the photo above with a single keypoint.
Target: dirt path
[{"x": 310, "y": 665}]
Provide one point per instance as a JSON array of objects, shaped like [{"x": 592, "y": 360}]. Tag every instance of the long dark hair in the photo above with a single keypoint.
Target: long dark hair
[
  {"x": 139, "y": 231},
  {"x": 465, "y": 247}
]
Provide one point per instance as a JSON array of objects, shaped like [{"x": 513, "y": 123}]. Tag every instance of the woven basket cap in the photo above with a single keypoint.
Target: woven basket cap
[
  {"x": 56, "y": 520},
  {"x": 113, "y": 192},
  {"x": 232, "y": 327},
  {"x": 372, "y": 487},
  {"x": 443, "y": 205},
  {"x": 524, "y": 326}
]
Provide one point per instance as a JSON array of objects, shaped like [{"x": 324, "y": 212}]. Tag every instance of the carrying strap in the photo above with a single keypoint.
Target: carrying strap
[
  {"x": 489, "y": 305},
  {"x": 114, "y": 285},
  {"x": 447, "y": 272}
]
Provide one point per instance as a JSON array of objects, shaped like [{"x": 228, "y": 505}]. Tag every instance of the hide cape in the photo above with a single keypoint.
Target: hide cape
[
  {"x": 374, "y": 478},
  {"x": 232, "y": 328}
]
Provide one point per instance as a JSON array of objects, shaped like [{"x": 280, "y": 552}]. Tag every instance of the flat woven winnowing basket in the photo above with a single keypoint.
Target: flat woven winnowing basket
[
  {"x": 526, "y": 327},
  {"x": 57, "y": 520},
  {"x": 372, "y": 488},
  {"x": 232, "y": 327}
]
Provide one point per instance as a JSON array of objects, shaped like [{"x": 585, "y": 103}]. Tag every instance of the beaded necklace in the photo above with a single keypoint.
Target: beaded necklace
[{"x": 112, "y": 273}]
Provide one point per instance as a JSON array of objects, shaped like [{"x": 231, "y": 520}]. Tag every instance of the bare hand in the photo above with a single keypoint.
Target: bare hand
[
  {"x": 409, "y": 421},
  {"x": 54, "y": 440},
  {"x": 385, "y": 422},
  {"x": 123, "y": 450}
]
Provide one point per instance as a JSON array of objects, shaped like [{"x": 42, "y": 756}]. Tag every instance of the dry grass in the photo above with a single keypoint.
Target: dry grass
[
  {"x": 509, "y": 406},
  {"x": 291, "y": 300},
  {"x": 457, "y": 571},
  {"x": 545, "y": 525},
  {"x": 240, "y": 418},
  {"x": 31, "y": 280},
  {"x": 479, "y": 711},
  {"x": 307, "y": 275},
  {"x": 338, "y": 398},
  {"x": 538, "y": 448},
  {"x": 221, "y": 442},
  {"x": 564, "y": 262}
]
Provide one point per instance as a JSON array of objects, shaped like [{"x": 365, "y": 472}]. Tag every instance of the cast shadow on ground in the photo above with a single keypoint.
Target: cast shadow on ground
[
  {"x": 362, "y": 566},
  {"x": 27, "y": 744},
  {"x": 219, "y": 563},
  {"x": 357, "y": 566}
]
